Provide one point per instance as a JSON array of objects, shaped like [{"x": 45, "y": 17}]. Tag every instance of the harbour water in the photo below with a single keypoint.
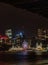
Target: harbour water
[{"x": 23, "y": 59}]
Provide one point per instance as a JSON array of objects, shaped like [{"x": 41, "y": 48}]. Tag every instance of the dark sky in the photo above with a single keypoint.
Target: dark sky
[
  {"x": 19, "y": 1},
  {"x": 12, "y": 17}
]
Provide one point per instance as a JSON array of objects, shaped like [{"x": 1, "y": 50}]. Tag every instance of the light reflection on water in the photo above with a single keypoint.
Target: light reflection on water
[
  {"x": 24, "y": 60},
  {"x": 43, "y": 62}
]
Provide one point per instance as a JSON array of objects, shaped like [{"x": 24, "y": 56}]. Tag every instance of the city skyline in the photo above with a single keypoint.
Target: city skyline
[{"x": 24, "y": 32}]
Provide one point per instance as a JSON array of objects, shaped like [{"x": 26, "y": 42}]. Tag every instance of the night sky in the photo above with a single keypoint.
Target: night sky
[{"x": 16, "y": 18}]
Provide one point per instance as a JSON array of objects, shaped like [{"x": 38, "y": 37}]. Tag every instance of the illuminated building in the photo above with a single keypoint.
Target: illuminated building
[
  {"x": 0, "y": 39},
  {"x": 3, "y": 39},
  {"x": 38, "y": 46},
  {"x": 29, "y": 42},
  {"x": 42, "y": 36},
  {"x": 25, "y": 44},
  {"x": 9, "y": 33},
  {"x": 19, "y": 38},
  {"x": 39, "y": 32}
]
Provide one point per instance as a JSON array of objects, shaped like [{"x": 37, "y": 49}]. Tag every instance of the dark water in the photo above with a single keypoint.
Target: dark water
[{"x": 23, "y": 59}]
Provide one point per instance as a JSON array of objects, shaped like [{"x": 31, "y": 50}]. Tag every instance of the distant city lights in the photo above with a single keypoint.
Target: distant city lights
[{"x": 25, "y": 45}]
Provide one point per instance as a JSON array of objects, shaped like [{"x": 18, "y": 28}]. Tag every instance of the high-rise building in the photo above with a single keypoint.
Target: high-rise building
[{"x": 9, "y": 33}]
